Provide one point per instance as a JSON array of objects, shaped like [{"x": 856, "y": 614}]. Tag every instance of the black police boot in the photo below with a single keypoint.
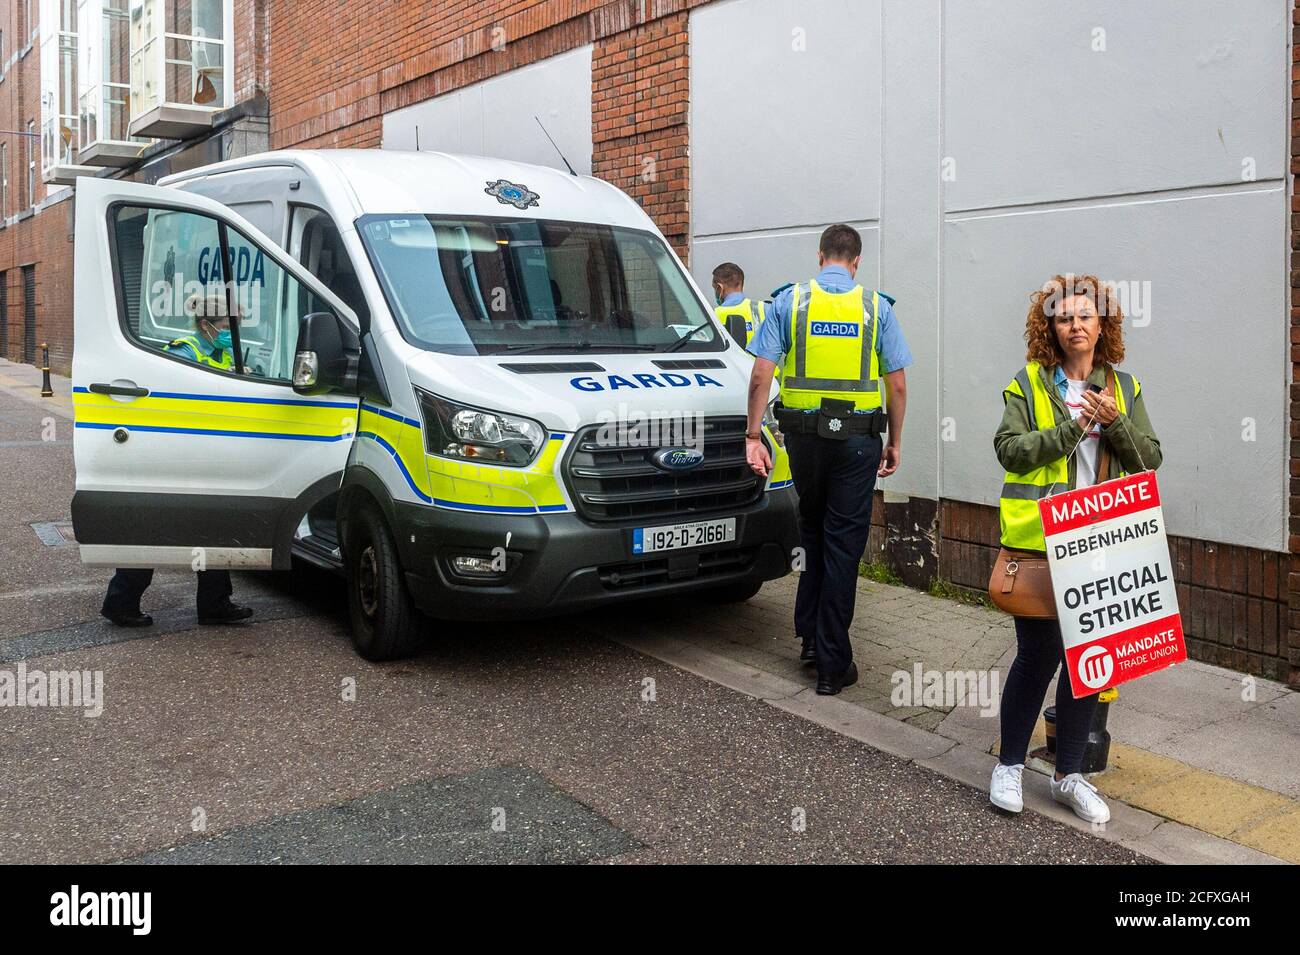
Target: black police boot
[
  {"x": 831, "y": 687},
  {"x": 127, "y": 618},
  {"x": 226, "y": 613},
  {"x": 809, "y": 652}
]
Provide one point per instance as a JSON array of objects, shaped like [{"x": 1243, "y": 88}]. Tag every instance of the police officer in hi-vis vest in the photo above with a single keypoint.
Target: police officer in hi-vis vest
[
  {"x": 839, "y": 347},
  {"x": 740, "y": 316},
  {"x": 211, "y": 346}
]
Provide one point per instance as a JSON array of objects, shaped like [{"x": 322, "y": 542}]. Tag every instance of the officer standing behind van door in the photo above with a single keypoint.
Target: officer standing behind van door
[
  {"x": 740, "y": 315},
  {"x": 210, "y": 346},
  {"x": 836, "y": 344}
]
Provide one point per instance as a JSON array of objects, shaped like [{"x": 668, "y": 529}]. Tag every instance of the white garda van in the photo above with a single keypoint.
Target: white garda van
[{"x": 479, "y": 389}]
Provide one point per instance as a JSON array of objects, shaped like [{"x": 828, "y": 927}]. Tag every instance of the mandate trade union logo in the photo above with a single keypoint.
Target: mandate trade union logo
[
  {"x": 512, "y": 193},
  {"x": 1095, "y": 666}
]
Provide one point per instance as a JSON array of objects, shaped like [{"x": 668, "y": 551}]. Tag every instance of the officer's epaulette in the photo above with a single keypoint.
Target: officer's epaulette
[
  {"x": 778, "y": 291},
  {"x": 886, "y": 296}
]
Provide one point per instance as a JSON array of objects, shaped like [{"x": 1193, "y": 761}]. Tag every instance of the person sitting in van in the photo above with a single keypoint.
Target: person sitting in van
[{"x": 211, "y": 346}]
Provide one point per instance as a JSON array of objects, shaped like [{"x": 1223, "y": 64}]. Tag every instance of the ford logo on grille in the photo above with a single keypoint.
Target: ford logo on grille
[{"x": 677, "y": 459}]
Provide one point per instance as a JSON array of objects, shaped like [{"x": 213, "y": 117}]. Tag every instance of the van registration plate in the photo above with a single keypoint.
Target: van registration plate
[{"x": 648, "y": 540}]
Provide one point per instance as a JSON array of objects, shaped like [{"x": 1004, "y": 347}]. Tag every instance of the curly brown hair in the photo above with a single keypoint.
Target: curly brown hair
[{"x": 1041, "y": 337}]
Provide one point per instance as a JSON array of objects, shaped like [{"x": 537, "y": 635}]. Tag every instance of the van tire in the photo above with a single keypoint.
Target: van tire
[
  {"x": 385, "y": 622},
  {"x": 732, "y": 593}
]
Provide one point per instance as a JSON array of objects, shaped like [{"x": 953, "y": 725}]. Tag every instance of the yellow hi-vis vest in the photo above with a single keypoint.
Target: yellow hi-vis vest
[
  {"x": 201, "y": 356},
  {"x": 751, "y": 311},
  {"x": 832, "y": 348},
  {"x": 1022, "y": 525}
]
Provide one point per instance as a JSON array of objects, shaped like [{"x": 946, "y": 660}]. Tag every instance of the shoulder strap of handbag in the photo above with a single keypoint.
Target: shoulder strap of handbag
[{"x": 1103, "y": 459}]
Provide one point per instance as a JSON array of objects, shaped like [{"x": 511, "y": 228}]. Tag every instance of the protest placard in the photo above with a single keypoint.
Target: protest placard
[{"x": 1113, "y": 581}]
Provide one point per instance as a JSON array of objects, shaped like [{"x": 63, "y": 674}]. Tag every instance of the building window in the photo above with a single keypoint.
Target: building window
[
  {"x": 178, "y": 54},
  {"x": 104, "y": 75},
  {"x": 4, "y": 180},
  {"x": 60, "y": 125}
]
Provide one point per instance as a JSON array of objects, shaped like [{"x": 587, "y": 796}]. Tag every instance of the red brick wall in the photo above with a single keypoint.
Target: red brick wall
[
  {"x": 639, "y": 111},
  {"x": 250, "y": 38},
  {"x": 43, "y": 239}
]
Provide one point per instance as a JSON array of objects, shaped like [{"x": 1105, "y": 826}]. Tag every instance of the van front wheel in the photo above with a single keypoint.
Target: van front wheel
[{"x": 385, "y": 623}]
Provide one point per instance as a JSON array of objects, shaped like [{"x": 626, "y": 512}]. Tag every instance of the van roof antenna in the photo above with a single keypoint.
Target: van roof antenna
[{"x": 557, "y": 148}]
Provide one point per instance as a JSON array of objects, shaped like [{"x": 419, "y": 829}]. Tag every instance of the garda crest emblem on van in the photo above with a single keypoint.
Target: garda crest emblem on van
[
  {"x": 512, "y": 193},
  {"x": 677, "y": 459}
]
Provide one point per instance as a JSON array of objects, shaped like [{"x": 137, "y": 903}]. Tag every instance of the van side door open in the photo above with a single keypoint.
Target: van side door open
[{"x": 192, "y": 447}]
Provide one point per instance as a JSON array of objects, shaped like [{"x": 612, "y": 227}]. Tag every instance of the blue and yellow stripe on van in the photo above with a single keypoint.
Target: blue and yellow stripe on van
[
  {"x": 220, "y": 416},
  {"x": 780, "y": 476},
  {"x": 466, "y": 485}
]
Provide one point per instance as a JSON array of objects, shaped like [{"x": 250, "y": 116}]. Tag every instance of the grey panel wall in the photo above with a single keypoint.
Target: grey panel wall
[
  {"x": 1052, "y": 99},
  {"x": 1127, "y": 162},
  {"x": 785, "y": 132},
  {"x": 1209, "y": 326},
  {"x": 773, "y": 257},
  {"x": 495, "y": 117},
  {"x": 983, "y": 145}
]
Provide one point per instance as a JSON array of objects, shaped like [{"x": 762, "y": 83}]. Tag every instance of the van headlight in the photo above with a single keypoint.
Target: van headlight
[{"x": 453, "y": 430}]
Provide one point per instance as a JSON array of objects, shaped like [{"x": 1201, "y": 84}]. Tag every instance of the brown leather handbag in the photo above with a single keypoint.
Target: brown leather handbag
[{"x": 1021, "y": 582}]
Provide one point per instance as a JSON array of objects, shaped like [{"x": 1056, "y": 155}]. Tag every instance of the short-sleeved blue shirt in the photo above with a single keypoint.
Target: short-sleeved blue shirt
[{"x": 773, "y": 340}]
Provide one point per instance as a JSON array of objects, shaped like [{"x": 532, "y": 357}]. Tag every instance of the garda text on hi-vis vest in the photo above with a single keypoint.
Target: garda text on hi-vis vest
[{"x": 1113, "y": 582}]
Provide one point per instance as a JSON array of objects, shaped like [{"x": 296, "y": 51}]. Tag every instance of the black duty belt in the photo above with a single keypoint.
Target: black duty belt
[{"x": 803, "y": 422}]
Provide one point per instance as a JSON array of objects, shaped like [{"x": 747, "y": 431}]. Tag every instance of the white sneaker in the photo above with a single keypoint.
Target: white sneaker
[
  {"x": 1005, "y": 790},
  {"x": 1081, "y": 796}
]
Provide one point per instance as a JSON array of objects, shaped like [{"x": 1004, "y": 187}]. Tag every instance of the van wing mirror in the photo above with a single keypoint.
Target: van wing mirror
[{"x": 328, "y": 357}]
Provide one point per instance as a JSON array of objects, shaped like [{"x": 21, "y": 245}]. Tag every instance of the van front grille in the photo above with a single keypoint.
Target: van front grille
[{"x": 612, "y": 476}]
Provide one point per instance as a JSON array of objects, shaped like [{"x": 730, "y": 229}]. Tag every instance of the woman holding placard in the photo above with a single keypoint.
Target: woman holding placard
[{"x": 1070, "y": 419}]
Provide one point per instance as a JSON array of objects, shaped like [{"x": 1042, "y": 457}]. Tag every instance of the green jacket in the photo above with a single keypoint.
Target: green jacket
[{"x": 1133, "y": 443}]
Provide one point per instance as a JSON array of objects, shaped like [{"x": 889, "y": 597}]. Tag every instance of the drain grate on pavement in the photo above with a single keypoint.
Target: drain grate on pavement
[{"x": 54, "y": 533}]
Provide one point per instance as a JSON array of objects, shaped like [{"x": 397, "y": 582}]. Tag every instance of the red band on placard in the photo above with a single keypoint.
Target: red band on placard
[
  {"x": 1126, "y": 655},
  {"x": 1102, "y": 502}
]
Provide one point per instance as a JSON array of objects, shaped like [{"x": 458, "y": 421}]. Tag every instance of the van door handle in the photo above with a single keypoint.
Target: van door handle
[{"x": 100, "y": 388}]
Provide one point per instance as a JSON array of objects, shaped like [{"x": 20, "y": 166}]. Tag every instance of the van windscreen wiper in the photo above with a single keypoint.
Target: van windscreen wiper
[
  {"x": 521, "y": 349},
  {"x": 688, "y": 336}
]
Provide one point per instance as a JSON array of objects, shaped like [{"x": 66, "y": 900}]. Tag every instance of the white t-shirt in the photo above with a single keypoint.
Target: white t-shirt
[{"x": 1086, "y": 465}]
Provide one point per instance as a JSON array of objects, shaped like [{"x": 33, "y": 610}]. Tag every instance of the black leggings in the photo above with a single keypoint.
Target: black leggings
[{"x": 1038, "y": 654}]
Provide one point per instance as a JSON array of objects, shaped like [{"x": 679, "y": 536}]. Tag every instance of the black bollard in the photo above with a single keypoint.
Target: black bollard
[
  {"x": 1097, "y": 753},
  {"x": 46, "y": 390}
]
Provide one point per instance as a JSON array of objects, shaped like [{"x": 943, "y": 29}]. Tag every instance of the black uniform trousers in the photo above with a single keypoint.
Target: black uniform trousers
[
  {"x": 128, "y": 586},
  {"x": 835, "y": 480}
]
